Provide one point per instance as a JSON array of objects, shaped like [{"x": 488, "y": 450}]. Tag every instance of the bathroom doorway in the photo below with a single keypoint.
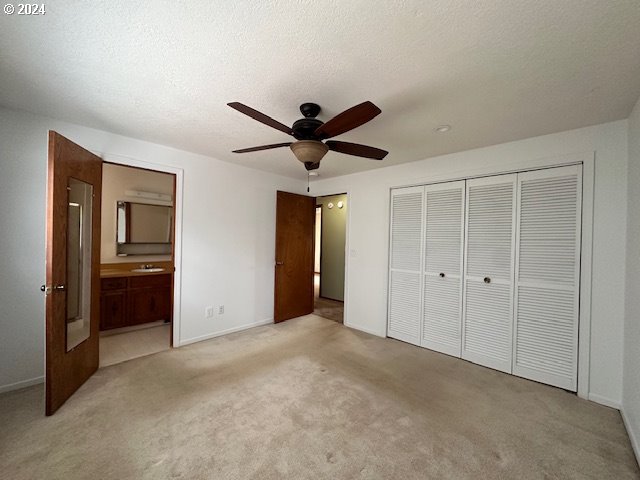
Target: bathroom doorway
[
  {"x": 136, "y": 262},
  {"x": 74, "y": 267},
  {"x": 329, "y": 261}
]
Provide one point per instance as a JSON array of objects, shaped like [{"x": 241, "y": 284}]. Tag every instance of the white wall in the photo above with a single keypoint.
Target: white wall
[
  {"x": 366, "y": 302},
  {"x": 228, "y": 237},
  {"x": 116, "y": 180},
  {"x": 631, "y": 381}
]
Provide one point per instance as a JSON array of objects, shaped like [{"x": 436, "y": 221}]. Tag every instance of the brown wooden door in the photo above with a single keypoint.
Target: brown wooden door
[
  {"x": 295, "y": 222},
  {"x": 74, "y": 193}
]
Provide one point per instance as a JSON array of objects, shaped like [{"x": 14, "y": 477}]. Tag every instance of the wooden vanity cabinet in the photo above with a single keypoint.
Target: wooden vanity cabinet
[
  {"x": 149, "y": 298},
  {"x": 127, "y": 301},
  {"x": 113, "y": 303}
]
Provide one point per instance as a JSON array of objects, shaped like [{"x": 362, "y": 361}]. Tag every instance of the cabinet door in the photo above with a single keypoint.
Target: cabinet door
[
  {"x": 444, "y": 228},
  {"x": 149, "y": 305},
  {"x": 548, "y": 276},
  {"x": 113, "y": 309},
  {"x": 405, "y": 264},
  {"x": 489, "y": 271}
]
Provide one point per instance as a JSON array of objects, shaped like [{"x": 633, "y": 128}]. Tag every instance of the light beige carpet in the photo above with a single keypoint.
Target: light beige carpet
[{"x": 310, "y": 399}]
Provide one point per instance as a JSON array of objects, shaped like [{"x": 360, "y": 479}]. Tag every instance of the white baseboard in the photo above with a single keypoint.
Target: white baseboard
[
  {"x": 365, "y": 329},
  {"x": 632, "y": 435},
  {"x": 21, "y": 384},
  {"x": 607, "y": 402},
  {"x": 208, "y": 336}
]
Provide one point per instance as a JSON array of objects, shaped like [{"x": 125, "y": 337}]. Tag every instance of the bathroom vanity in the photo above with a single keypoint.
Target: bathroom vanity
[{"x": 132, "y": 296}]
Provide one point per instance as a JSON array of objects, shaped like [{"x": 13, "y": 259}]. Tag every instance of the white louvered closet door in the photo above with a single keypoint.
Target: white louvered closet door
[
  {"x": 548, "y": 276},
  {"x": 444, "y": 229},
  {"x": 489, "y": 271},
  {"x": 405, "y": 264}
]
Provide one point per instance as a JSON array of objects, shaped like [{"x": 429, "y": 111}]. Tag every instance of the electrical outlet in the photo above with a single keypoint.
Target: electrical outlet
[
  {"x": 208, "y": 312},
  {"x": 221, "y": 310}
]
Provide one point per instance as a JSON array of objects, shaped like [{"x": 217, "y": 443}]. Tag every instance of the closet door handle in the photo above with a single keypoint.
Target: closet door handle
[
  {"x": 441, "y": 274},
  {"x": 487, "y": 280}
]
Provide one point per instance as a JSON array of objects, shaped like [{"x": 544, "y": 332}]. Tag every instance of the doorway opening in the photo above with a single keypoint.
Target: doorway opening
[
  {"x": 137, "y": 262},
  {"x": 329, "y": 259}
]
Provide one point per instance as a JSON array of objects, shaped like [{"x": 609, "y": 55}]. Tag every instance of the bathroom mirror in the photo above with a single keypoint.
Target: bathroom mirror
[
  {"x": 143, "y": 229},
  {"x": 79, "y": 208}
]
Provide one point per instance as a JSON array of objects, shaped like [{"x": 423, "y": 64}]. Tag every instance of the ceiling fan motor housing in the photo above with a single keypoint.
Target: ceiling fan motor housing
[{"x": 304, "y": 128}]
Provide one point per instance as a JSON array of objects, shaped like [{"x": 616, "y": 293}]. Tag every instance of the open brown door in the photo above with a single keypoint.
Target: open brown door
[
  {"x": 295, "y": 222},
  {"x": 74, "y": 193}
]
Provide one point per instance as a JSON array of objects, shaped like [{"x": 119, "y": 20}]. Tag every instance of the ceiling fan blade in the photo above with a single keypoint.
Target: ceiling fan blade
[
  {"x": 263, "y": 147},
  {"x": 356, "y": 149},
  {"x": 261, "y": 117},
  {"x": 348, "y": 120}
]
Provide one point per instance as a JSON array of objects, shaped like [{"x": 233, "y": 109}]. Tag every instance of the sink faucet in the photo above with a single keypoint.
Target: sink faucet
[{"x": 147, "y": 266}]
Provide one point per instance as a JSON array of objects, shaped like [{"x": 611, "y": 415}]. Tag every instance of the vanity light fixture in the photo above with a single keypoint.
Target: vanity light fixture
[
  {"x": 163, "y": 197},
  {"x": 330, "y": 205},
  {"x": 340, "y": 204}
]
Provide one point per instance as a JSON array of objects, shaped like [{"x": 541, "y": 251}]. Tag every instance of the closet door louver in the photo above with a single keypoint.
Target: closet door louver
[
  {"x": 444, "y": 227},
  {"x": 489, "y": 271},
  {"x": 406, "y": 242},
  {"x": 548, "y": 276}
]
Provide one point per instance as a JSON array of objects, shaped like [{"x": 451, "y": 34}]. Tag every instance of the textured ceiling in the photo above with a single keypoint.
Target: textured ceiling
[{"x": 496, "y": 70}]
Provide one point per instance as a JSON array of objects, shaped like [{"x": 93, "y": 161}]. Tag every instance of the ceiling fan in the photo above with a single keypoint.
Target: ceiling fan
[{"x": 310, "y": 132}]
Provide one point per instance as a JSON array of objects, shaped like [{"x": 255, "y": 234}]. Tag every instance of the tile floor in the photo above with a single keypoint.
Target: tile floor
[{"x": 125, "y": 346}]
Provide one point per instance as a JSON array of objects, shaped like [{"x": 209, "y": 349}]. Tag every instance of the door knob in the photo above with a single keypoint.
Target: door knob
[
  {"x": 441, "y": 274},
  {"x": 47, "y": 289},
  {"x": 487, "y": 280},
  {"x": 279, "y": 263}
]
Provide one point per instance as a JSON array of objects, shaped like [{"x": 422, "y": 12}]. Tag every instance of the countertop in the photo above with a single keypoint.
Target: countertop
[
  {"x": 109, "y": 270},
  {"x": 113, "y": 272}
]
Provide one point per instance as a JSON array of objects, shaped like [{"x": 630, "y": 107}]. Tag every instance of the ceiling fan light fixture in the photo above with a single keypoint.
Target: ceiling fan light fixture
[{"x": 309, "y": 152}]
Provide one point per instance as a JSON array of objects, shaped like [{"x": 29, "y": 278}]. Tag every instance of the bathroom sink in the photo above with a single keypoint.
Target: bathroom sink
[{"x": 148, "y": 270}]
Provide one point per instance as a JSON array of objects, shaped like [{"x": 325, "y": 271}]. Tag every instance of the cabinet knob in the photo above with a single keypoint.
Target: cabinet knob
[
  {"x": 441, "y": 274},
  {"x": 487, "y": 280}
]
